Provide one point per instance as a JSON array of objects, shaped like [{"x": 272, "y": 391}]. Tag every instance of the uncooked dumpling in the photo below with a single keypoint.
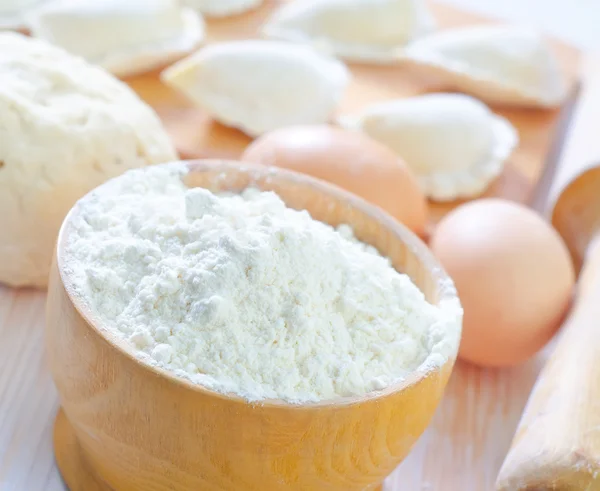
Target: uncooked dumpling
[
  {"x": 222, "y": 8},
  {"x": 258, "y": 86},
  {"x": 14, "y": 12},
  {"x": 124, "y": 36},
  {"x": 356, "y": 30},
  {"x": 455, "y": 145},
  {"x": 498, "y": 64}
]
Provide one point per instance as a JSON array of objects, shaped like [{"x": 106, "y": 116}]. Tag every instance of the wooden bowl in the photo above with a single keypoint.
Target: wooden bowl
[{"x": 131, "y": 426}]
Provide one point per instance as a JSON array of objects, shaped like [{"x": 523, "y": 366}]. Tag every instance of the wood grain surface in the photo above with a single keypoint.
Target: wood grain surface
[{"x": 461, "y": 451}]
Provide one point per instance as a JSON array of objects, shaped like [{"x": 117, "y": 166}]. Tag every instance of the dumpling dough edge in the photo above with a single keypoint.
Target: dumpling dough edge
[
  {"x": 452, "y": 76},
  {"x": 357, "y": 53},
  {"x": 467, "y": 183},
  {"x": 130, "y": 62},
  {"x": 235, "y": 8},
  {"x": 470, "y": 183}
]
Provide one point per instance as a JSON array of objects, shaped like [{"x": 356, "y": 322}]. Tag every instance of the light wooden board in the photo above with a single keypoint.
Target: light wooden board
[
  {"x": 197, "y": 136},
  {"x": 466, "y": 443}
]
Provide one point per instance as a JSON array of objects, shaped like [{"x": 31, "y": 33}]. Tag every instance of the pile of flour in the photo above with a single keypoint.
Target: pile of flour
[{"x": 241, "y": 294}]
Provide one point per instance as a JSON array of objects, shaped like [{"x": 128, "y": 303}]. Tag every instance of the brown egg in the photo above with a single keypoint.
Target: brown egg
[
  {"x": 514, "y": 277},
  {"x": 350, "y": 160}
]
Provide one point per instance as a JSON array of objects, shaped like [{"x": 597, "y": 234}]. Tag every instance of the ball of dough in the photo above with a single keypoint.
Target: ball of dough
[
  {"x": 350, "y": 160},
  {"x": 65, "y": 127},
  {"x": 514, "y": 277}
]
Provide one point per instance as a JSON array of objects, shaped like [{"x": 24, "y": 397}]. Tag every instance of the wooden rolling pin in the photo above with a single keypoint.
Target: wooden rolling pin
[{"x": 557, "y": 443}]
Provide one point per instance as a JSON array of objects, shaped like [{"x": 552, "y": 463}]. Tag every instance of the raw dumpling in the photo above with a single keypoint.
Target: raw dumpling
[
  {"x": 452, "y": 142},
  {"x": 356, "y": 30},
  {"x": 124, "y": 36},
  {"x": 258, "y": 86},
  {"x": 222, "y": 8},
  {"x": 13, "y": 12},
  {"x": 498, "y": 64}
]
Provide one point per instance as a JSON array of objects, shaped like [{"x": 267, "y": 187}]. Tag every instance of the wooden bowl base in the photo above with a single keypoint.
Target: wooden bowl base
[{"x": 72, "y": 464}]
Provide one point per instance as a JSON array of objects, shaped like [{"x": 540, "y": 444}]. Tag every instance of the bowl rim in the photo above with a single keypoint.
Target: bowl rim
[{"x": 445, "y": 286}]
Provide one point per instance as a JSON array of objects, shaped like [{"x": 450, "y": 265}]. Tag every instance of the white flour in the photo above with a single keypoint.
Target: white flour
[{"x": 241, "y": 294}]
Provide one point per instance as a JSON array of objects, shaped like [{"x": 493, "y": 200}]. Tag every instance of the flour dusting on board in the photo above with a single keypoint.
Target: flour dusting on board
[{"x": 241, "y": 294}]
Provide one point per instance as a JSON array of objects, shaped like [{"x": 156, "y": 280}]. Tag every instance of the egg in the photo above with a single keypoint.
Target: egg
[
  {"x": 514, "y": 277},
  {"x": 350, "y": 160}
]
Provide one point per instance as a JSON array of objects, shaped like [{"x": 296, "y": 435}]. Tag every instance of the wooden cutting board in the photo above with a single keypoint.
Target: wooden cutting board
[
  {"x": 471, "y": 432},
  {"x": 197, "y": 136}
]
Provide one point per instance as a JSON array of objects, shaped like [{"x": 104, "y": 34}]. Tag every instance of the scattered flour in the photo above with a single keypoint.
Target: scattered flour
[{"x": 241, "y": 294}]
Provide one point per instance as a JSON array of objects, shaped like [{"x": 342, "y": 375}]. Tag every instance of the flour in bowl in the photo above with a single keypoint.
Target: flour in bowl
[{"x": 243, "y": 295}]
